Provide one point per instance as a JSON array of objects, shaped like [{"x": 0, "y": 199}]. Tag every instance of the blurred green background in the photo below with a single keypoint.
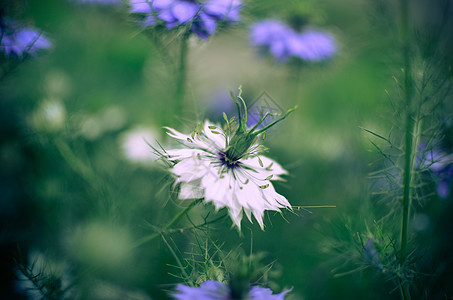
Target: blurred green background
[{"x": 70, "y": 194}]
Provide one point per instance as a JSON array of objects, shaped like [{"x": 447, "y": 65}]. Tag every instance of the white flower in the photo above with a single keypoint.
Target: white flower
[{"x": 206, "y": 169}]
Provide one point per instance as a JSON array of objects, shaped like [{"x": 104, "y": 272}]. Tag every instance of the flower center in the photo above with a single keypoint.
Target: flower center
[{"x": 227, "y": 162}]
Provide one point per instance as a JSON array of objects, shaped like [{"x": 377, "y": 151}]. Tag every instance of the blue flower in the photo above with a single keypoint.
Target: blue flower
[
  {"x": 257, "y": 292},
  {"x": 203, "y": 17},
  {"x": 274, "y": 37},
  {"x": 441, "y": 166},
  {"x": 176, "y": 12},
  {"x": 101, "y": 1},
  {"x": 370, "y": 253},
  {"x": 215, "y": 11},
  {"x": 215, "y": 290},
  {"x": 143, "y": 7},
  {"x": 313, "y": 45},
  {"x": 16, "y": 41},
  {"x": 227, "y": 10},
  {"x": 283, "y": 42}
]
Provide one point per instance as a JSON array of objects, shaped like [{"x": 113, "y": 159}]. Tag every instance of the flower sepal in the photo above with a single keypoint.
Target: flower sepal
[{"x": 240, "y": 144}]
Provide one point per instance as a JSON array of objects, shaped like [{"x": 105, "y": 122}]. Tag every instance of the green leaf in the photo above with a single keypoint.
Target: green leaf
[{"x": 225, "y": 117}]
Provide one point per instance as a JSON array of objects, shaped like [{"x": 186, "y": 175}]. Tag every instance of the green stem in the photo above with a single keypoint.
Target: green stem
[
  {"x": 181, "y": 76},
  {"x": 151, "y": 237},
  {"x": 178, "y": 261},
  {"x": 409, "y": 131},
  {"x": 76, "y": 164},
  {"x": 404, "y": 290}
]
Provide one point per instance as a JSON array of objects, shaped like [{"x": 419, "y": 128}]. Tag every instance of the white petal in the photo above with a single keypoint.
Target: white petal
[
  {"x": 248, "y": 213},
  {"x": 274, "y": 199},
  {"x": 216, "y": 189},
  {"x": 236, "y": 216},
  {"x": 259, "y": 218},
  {"x": 176, "y": 134},
  {"x": 218, "y": 139},
  {"x": 179, "y": 154},
  {"x": 189, "y": 169},
  {"x": 190, "y": 190},
  {"x": 275, "y": 169}
]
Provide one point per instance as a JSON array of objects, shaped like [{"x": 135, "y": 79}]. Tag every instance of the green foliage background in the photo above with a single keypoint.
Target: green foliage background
[{"x": 69, "y": 192}]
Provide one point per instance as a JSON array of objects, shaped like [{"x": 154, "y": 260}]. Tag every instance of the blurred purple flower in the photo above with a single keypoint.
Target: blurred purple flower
[
  {"x": 140, "y": 6},
  {"x": 274, "y": 37},
  {"x": 370, "y": 253},
  {"x": 313, "y": 45},
  {"x": 441, "y": 165},
  {"x": 208, "y": 290},
  {"x": 101, "y": 1},
  {"x": 204, "y": 16},
  {"x": 227, "y": 10},
  {"x": 215, "y": 290},
  {"x": 143, "y": 7},
  {"x": 16, "y": 41},
  {"x": 283, "y": 42},
  {"x": 176, "y": 12},
  {"x": 257, "y": 293},
  {"x": 215, "y": 11}
]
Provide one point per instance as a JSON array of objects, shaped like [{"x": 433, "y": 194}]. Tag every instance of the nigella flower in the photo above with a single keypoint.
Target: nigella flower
[
  {"x": 312, "y": 45},
  {"x": 203, "y": 17},
  {"x": 17, "y": 41},
  {"x": 215, "y": 290},
  {"x": 370, "y": 253},
  {"x": 227, "y": 10},
  {"x": 227, "y": 168},
  {"x": 273, "y": 36},
  {"x": 176, "y": 12},
  {"x": 100, "y": 1},
  {"x": 215, "y": 11},
  {"x": 283, "y": 42},
  {"x": 441, "y": 166}
]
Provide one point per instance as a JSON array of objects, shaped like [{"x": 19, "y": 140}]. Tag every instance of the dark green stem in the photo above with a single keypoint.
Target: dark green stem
[
  {"x": 169, "y": 225},
  {"x": 178, "y": 261},
  {"x": 409, "y": 131},
  {"x": 181, "y": 76}
]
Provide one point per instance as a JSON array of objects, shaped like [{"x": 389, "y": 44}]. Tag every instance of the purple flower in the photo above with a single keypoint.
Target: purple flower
[
  {"x": 176, "y": 12},
  {"x": 16, "y": 41},
  {"x": 215, "y": 290},
  {"x": 101, "y": 1},
  {"x": 227, "y": 10},
  {"x": 202, "y": 16},
  {"x": 143, "y": 7},
  {"x": 259, "y": 293},
  {"x": 441, "y": 166},
  {"x": 283, "y": 42},
  {"x": 274, "y": 37},
  {"x": 208, "y": 290},
  {"x": 370, "y": 253},
  {"x": 313, "y": 45},
  {"x": 212, "y": 12},
  {"x": 204, "y": 26}
]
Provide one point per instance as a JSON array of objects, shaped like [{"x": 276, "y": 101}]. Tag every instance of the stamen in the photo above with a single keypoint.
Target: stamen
[{"x": 228, "y": 163}]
